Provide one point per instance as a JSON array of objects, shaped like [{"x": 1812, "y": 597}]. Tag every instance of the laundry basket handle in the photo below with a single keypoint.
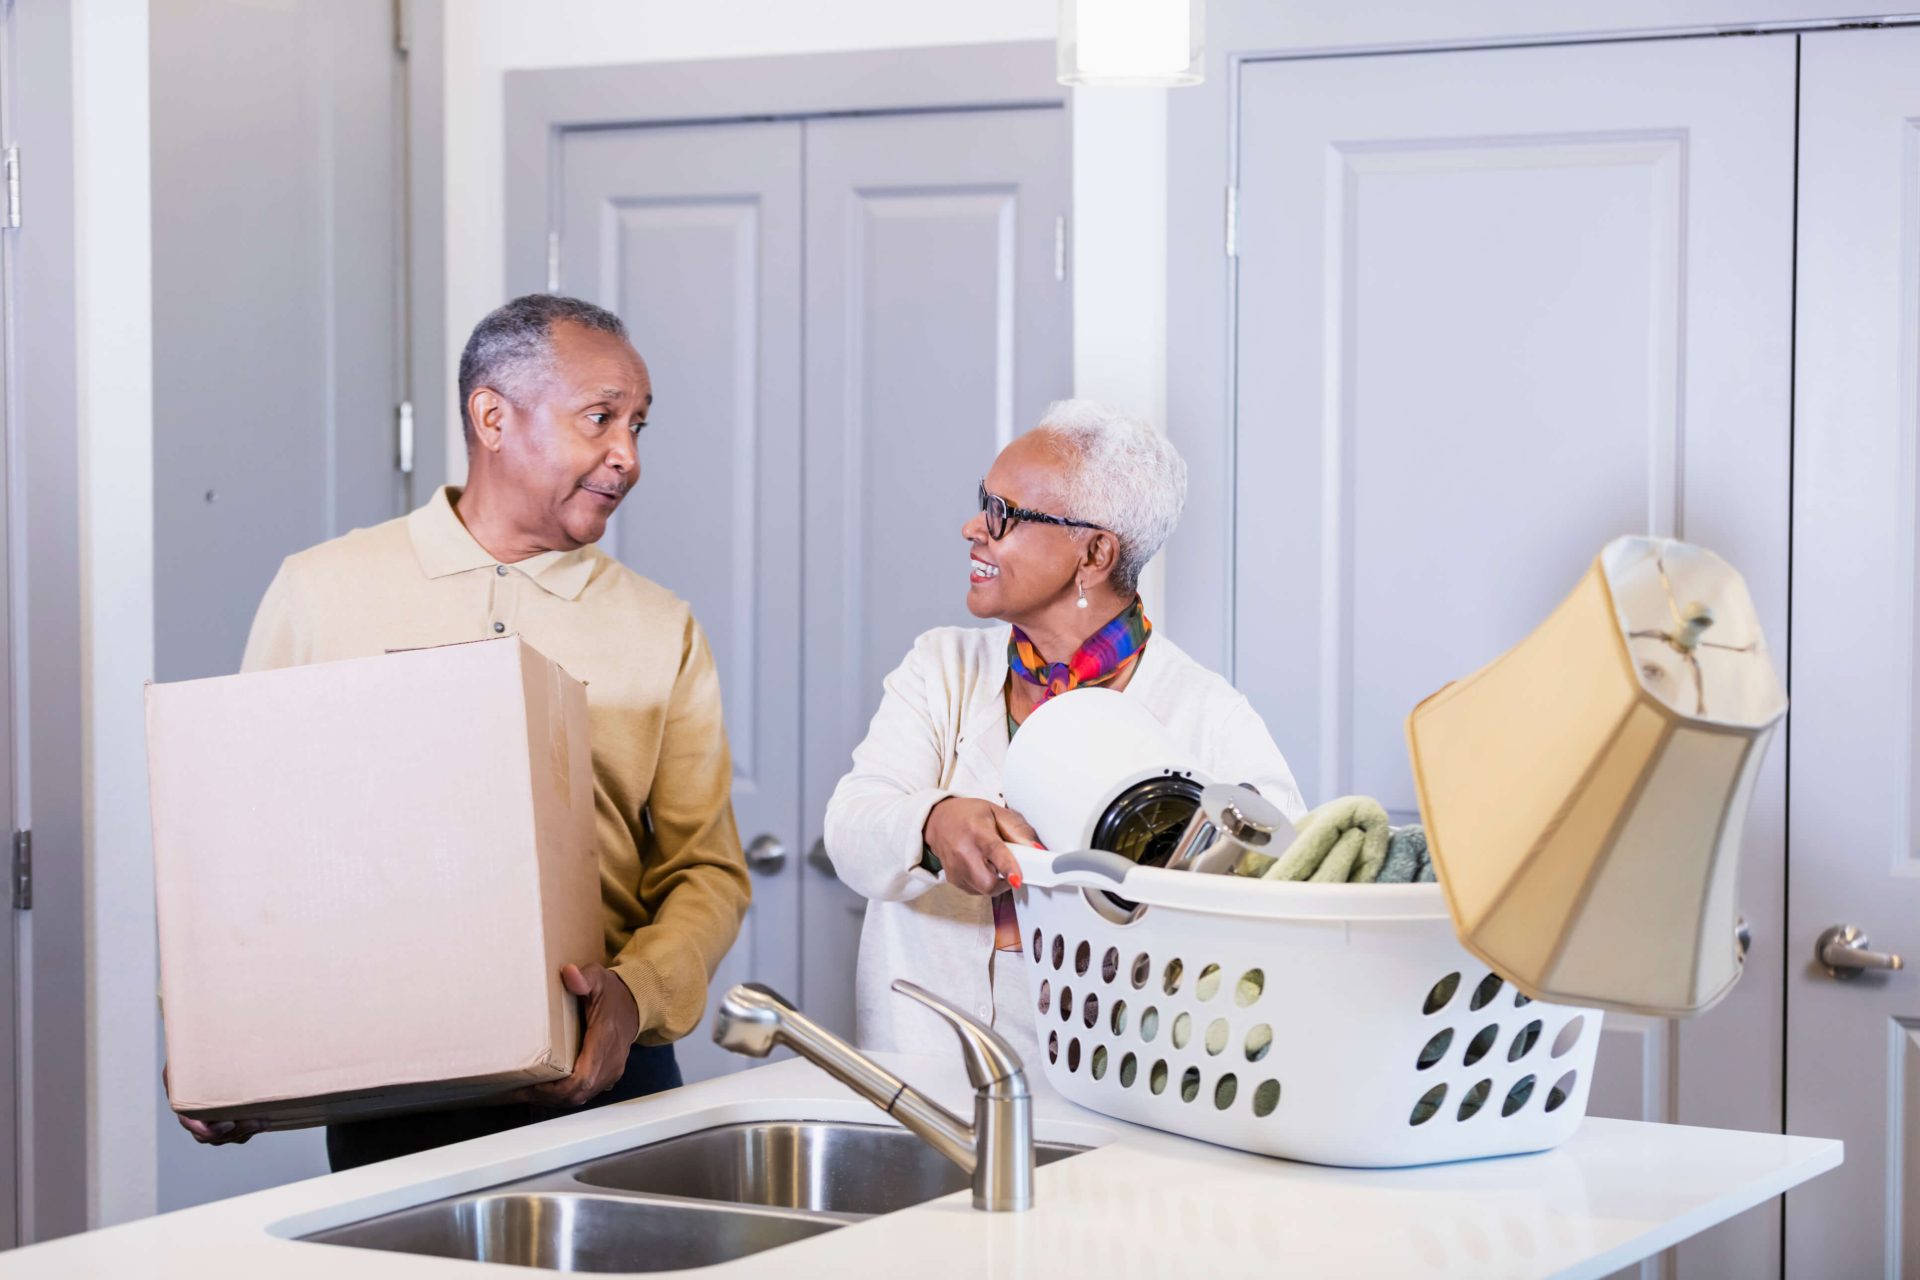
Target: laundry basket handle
[{"x": 1108, "y": 866}]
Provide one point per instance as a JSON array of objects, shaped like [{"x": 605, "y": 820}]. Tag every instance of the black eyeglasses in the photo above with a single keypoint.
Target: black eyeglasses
[{"x": 1002, "y": 516}]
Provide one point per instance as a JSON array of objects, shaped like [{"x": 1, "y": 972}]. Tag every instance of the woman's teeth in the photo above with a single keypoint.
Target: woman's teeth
[{"x": 982, "y": 570}]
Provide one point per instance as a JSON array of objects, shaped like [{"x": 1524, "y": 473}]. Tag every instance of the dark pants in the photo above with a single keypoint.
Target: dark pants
[{"x": 650, "y": 1069}]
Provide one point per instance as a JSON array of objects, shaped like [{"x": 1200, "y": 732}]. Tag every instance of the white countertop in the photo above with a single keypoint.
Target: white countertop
[{"x": 1144, "y": 1204}]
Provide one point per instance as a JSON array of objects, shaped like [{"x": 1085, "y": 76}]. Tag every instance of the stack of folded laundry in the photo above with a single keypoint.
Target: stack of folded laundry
[{"x": 1346, "y": 841}]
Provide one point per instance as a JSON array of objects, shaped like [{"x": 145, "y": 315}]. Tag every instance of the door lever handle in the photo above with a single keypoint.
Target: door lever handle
[{"x": 1842, "y": 952}]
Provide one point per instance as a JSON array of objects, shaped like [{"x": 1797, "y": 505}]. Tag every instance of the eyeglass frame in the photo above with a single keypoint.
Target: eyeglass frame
[{"x": 1014, "y": 515}]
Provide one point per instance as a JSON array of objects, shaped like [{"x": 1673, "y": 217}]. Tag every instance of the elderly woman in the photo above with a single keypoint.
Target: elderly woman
[{"x": 1069, "y": 515}]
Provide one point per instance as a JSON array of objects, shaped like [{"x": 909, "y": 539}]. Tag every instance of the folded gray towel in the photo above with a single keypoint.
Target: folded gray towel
[{"x": 1407, "y": 858}]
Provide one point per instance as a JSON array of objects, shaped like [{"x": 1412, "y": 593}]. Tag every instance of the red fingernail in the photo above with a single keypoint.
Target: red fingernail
[{"x": 1014, "y": 879}]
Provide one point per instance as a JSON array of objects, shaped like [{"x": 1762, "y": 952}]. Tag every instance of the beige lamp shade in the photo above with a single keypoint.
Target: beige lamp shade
[{"x": 1584, "y": 794}]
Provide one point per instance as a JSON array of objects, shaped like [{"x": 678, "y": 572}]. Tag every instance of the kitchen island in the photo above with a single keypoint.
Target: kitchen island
[{"x": 1137, "y": 1202}]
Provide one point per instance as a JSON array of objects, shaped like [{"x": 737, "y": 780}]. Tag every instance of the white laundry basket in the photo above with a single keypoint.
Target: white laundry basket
[{"x": 1291, "y": 1019}]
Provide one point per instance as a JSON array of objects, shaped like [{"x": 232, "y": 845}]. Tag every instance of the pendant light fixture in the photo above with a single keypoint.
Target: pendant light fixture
[{"x": 1132, "y": 42}]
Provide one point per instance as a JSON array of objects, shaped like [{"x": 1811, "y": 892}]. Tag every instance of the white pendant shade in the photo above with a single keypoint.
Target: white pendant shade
[
  {"x": 1131, "y": 42},
  {"x": 1584, "y": 793}
]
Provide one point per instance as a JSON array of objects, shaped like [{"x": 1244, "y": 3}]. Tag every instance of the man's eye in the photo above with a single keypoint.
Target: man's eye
[
  {"x": 598, "y": 419},
  {"x": 638, "y": 427}
]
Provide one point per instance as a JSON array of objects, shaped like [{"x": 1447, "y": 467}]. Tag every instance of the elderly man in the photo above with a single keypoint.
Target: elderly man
[{"x": 555, "y": 399}]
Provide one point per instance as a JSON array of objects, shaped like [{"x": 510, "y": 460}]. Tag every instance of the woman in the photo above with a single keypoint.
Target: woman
[{"x": 1070, "y": 514}]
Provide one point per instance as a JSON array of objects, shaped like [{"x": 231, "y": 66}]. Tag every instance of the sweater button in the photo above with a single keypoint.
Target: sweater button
[
  {"x": 500, "y": 569},
  {"x": 499, "y": 627}
]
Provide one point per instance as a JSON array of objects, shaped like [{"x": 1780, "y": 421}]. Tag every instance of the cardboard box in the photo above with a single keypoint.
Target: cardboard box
[{"x": 369, "y": 874}]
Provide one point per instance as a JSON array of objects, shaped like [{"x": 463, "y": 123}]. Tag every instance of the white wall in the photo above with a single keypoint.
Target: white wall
[
  {"x": 486, "y": 38},
  {"x": 114, "y": 321}
]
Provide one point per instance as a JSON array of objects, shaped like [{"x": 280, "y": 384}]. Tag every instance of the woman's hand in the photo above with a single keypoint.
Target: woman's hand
[{"x": 970, "y": 838}]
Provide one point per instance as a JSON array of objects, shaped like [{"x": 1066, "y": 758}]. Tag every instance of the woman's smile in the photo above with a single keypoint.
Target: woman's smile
[{"x": 983, "y": 571}]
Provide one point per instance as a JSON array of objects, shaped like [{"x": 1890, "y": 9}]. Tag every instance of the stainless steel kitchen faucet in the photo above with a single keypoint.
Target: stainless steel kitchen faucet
[{"x": 997, "y": 1150}]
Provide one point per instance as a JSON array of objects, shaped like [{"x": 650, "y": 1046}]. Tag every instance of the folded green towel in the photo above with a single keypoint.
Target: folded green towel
[
  {"x": 1408, "y": 861},
  {"x": 1342, "y": 842}
]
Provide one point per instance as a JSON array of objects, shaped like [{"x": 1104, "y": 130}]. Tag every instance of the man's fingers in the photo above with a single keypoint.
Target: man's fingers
[{"x": 575, "y": 981}]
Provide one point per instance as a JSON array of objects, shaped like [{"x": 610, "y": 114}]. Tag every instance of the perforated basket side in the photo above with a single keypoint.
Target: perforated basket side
[{"x": 1373, "y": 1042}]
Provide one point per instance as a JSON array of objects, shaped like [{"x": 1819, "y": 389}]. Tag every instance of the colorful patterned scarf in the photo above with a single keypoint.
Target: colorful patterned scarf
[{"x": 1103, "y": 656}]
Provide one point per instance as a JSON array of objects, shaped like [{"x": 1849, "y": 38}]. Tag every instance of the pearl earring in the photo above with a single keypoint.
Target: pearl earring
[{"x": 1082, "y": 603}]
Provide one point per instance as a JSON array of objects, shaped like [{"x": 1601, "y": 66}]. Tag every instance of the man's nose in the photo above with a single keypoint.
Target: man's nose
[{"x": 624, "y": 457}]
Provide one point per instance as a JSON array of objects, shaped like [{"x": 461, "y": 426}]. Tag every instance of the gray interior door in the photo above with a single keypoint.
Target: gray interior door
[
  {"x": 10, "y": 1100},
  {"x": 277, "y": 215},
  {"x": 1853, "y": 1063},
  {"x": 276, "y": 341},
  {"x": 1496, "y": 308},
  {"x": 938, "y": 326},
  {"x": 692, "y": 235}
]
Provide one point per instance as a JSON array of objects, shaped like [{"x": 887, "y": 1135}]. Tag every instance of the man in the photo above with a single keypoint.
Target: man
[{"x": 555, "y": 398}]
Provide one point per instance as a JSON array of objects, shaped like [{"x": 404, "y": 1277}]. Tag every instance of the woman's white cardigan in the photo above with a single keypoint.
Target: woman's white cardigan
[{"x": 941, "y": 731}]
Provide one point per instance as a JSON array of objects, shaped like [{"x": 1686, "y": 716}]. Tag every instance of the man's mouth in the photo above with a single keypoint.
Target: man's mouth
[
  {"x": 611, "y": 497},
  {"x": 982, "y": 571}
]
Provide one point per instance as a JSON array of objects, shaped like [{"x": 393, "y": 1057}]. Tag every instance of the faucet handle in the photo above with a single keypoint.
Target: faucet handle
[{"x": 990, "y": 1059}]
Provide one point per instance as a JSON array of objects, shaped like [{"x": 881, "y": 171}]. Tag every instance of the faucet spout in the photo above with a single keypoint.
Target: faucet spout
[{"x": 997, "y": 1150}]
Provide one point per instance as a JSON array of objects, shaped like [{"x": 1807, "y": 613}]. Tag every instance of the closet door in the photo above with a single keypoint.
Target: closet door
[
  {"x": 1496, "y": 308},
  {"x": 1853, "y": 1065},
  {"x": 938, "y": 328},
  {"x": 692, "y": 235}
]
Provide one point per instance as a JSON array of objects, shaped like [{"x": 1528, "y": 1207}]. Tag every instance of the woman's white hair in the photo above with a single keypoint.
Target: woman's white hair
[{"x": 1122, "y": 475}]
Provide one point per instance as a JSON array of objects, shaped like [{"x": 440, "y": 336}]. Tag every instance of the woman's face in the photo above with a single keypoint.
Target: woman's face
[{"x": 1033, "y": 566}]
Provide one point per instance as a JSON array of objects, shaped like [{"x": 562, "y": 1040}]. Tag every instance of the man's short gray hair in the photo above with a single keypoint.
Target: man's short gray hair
[
  {"x": 513, "y": 345},
  {"x": 1121, "y": 475}
]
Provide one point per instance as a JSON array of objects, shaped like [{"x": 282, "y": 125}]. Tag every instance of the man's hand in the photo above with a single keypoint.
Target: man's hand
[
  {"x": 970, "y": 839},
  {"x": 612, "y": 1023},
  {"x": 217, "y": 1133}
]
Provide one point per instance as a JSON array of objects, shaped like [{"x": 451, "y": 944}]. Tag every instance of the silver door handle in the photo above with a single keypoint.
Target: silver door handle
[
  {"x": 1742, "y": 938},
  {"x": 766, "y": 853},
  {"x": 1842, "y": 951}
]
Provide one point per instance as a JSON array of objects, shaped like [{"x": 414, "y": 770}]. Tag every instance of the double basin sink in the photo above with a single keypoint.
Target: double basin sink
[{"x": 693, "y": 1201}]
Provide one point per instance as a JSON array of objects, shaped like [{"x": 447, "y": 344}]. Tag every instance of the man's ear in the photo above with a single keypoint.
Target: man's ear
[{"x": 487, "y": 411}]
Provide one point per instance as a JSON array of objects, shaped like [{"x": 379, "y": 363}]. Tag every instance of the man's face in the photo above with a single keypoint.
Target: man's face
[{"x": 567, "y": 444}]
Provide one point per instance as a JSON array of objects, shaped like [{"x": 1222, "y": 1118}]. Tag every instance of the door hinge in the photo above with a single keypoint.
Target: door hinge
[
  {"x": 23, "y": 871},
  {"x": 1060, "y": 247},
  {"x": 402, "y": 27},
  {"x": 405, "y": 416},
  {"x": 1233, "y": 222},
  {"x": 13, "y": 186},
  {"x": 553, "y": 262}
]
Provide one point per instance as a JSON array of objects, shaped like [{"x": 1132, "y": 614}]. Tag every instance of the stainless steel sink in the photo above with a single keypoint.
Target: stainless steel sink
[
  {"x": 847, "y": 1169},
  {"x": 575, "y": 1232},
  {"x": 693, "y": 1201}
]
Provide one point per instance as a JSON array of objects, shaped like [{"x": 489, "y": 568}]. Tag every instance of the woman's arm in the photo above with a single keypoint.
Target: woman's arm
[{"x": 878, "y": 813}]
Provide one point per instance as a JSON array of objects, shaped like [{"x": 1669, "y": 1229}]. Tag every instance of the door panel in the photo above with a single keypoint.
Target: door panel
[
  {"x": 693, "y": 237},
  {"x": 276, "y": 301},
  {"x": 277, "y": 261},
  {"x": 1853, "y": 1064},
  {"x": 937, "y": 329},
  {"x": 1495, "y": 309}
]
